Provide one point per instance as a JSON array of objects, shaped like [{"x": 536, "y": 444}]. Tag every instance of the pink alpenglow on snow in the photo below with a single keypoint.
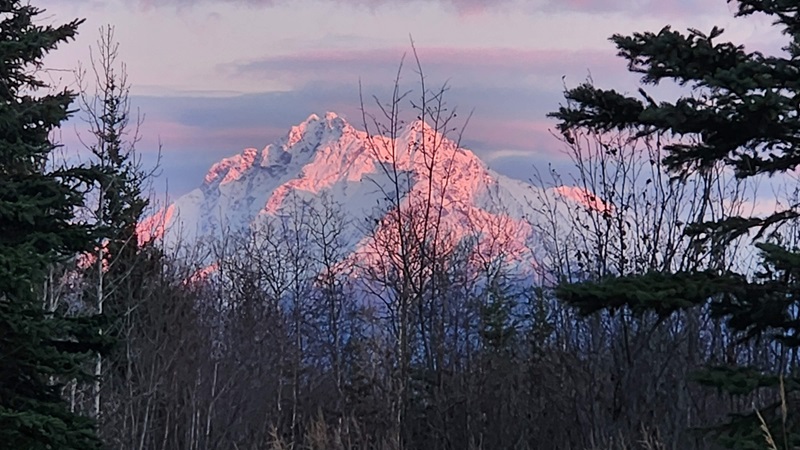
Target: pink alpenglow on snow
[
  {"x": 232, "y": 167},
  {"x": 442, "y": 186},
  {"x": 584, "y": 197},
  {"x": 154, "y": 227},
  {"x": 150, "y": 229},
  {"x": 201, "y": 275}
]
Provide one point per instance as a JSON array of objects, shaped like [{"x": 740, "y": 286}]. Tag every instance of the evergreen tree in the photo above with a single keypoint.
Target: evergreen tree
[
  {"x": 742, "y": 114},
  {"x": 38, "y": 350},
  {"x": 116, "y": 282}
]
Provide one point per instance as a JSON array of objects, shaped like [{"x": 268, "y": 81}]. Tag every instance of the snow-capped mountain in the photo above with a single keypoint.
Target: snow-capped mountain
[{"x": 326, "y": 156}]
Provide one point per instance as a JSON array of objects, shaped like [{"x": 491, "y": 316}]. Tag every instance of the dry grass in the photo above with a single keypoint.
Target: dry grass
[
  {"x": 348, "y": 435},
  {"x": 768, "y": 437}
]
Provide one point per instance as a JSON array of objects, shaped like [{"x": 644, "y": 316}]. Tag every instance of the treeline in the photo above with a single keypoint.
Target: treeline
[{"x": 281, "y": 337}]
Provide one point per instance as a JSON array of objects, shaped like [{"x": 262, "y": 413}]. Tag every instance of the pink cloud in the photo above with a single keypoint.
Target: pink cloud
[
  {"x": 471, "y": 7},
  {"x": 492, "y": 66},
  {"x": 461, "y": 6},
  {"x": 508, "y": 58}
]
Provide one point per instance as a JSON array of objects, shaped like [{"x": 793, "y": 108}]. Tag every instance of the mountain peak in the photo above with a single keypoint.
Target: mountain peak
[
  {"x": 420, "y": 125},
  {"x": 324, "y": 155},
  {"x": 328, "y": 117},
  {"x": 317, "y": 127},
  {"x": 420, "y": 131},
  {"x": 311, "y": 118}
]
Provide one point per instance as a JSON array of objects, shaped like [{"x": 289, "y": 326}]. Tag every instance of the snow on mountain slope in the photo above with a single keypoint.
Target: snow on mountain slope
[{"x": 326, "y": 155}]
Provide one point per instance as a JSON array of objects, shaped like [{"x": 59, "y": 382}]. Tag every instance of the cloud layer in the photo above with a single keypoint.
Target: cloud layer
[
  {"x": 222, "y": 75},
  {"x": 458, "y": 5},
  {"x": 510, "y": 91},
  {"x": 631, "y": 7},
  {"x": 465, "y": 66}
]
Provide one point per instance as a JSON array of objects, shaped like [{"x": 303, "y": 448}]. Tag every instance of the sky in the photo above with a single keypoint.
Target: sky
[{"x": 212, "y": 77}]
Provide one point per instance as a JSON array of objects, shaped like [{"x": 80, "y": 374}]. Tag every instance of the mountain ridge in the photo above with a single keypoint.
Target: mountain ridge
[{"x": 364, "y": 175}]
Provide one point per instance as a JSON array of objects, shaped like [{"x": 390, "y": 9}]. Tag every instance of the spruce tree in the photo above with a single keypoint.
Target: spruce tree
[
  {"x": 741, "y": 114},
  {"x": 38, "y": 228},
  {"x": 117, "y": 283}
]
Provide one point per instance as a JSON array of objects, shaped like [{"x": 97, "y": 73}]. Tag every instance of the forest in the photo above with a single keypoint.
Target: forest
[{"x": 664, "y": 318}]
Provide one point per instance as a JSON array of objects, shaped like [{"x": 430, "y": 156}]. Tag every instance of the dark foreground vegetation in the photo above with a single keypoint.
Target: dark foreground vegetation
[{"x": 651, "y": 322}]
